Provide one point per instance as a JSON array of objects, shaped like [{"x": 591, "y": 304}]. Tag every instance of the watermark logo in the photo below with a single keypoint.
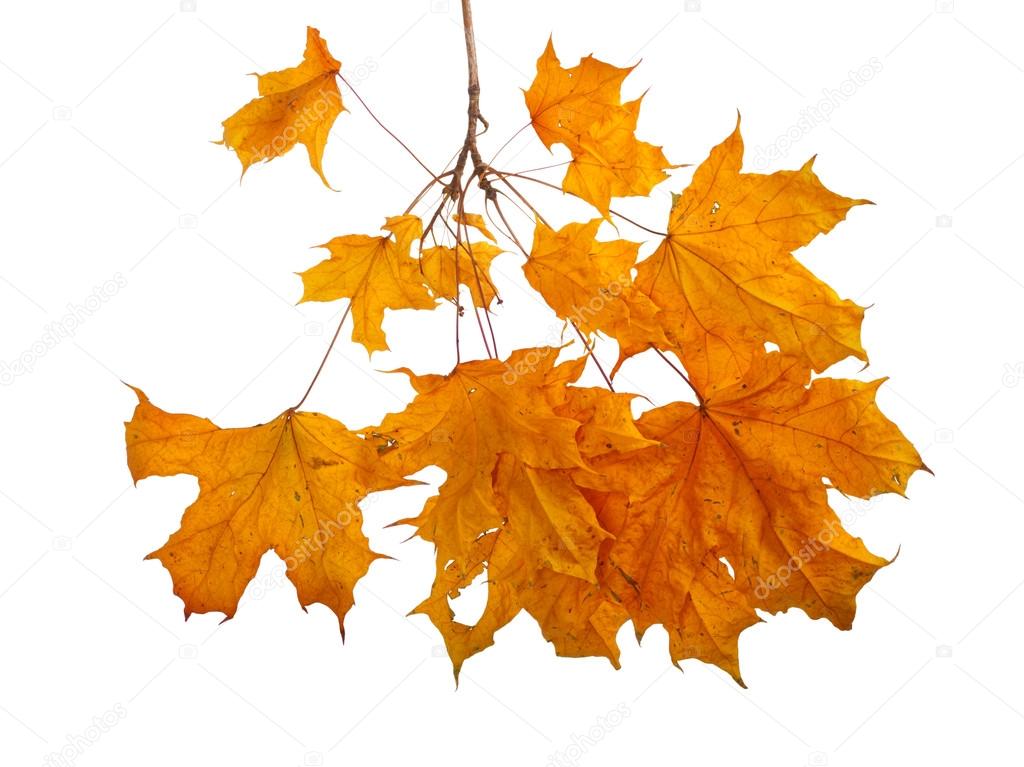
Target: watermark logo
[
  {"x": 810, "y": 549},
  {"x": 55, "y": 333},
  {"x": 78, "y": 743},
  {"x": 813, "y": 115},
  {"x": 580, "y": 744}
]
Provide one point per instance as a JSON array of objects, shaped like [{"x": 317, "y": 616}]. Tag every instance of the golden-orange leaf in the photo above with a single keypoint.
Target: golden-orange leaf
[
  {"x": 581, "y": 108},
  {"x": 290, "y": 486},
  {"x": 742, "y": 478},
  {"x": 472, "y": 269},
  {"x": 726, "y": 279},
  {"x": 463, "y": 422},
  {"x": 374, "y": 273},
  {"x": 295, "y": 106},
  {"x": 589, "y": 283}
]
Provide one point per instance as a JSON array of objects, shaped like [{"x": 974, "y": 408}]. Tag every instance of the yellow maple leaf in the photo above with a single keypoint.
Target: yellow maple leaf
[
  {"x": 476, "y": 221},
  {"x": 295, "y": 106},
  {"x": 473, "y": 269},
  {"x": 536, "y": 507},
  {"x": 374, "y": 273}
]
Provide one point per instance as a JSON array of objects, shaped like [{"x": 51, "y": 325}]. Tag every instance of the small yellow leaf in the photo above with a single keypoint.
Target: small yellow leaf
[{"x": 295, "y": 106}]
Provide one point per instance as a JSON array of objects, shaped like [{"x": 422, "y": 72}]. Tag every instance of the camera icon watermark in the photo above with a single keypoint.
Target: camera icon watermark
[
  {"x": 188, "y": 652},
  {"x": 817, "y": 759},
  {"x": 945, "y": 436},
  {"x": 692, "y": 6},
  {"x": 943, "y": 651},
  {"x": 943, "y": 6},
  {"x": 313, "y": 329},
  {"x": 313, "y": 759},
  {"x": 62, "y": 543},
  {"x": 944, "y": 221},
  {"x": 188, "y": 221},
  {"x": 438, "y": 651},
  {"x": 439, "y": 6},
  {"x": 187, "y": 6},
  {"x": 62, "y": 114}
]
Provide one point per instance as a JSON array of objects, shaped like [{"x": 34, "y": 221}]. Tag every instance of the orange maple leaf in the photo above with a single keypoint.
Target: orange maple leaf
[
  {"x": 589, "y": 283},
  {"x": 726, "y": 279},
  {"x": 295, "y": 106},
  {"x": 463, "y": 422},
  {"x": 291, "y": 485},
  {"x": 581, "y": 108},
  {"x": 742, "y": 477},
  {"x": 374, "y": 273},
  {"x": 574, "y": 611}
]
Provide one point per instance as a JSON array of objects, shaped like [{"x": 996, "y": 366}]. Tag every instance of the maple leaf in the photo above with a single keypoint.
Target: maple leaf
[
  {"x": 579, "y": 277},
  {"x": 295, "y": 106},
  {"x": 375, "y": 273},
  {"x": 556, "y": 585},
  {"x": 472, "y": 269},
  {"x": 463, "y": 422},
  {"x": 741, "y": 476},
  {"x": 581, "y": 108},
  {"x": 725, "y": 277},
  {"x": 589, "y": 283},
  {"x": 291, "y": 485},
  {"x": 476, "y": 221},
  {"x": 573, "y": 614}
]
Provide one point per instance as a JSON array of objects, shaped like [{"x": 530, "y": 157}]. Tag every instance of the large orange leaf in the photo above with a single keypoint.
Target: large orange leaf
[
  {"x": 726, "y": 278},
  {"x": 295, "y": 106},
  {"x": 374, "y": 273},
  {"x": 742, "y": 476},
  {"x": 581, "y": 108},
  {"x": 291, "y": 485}
]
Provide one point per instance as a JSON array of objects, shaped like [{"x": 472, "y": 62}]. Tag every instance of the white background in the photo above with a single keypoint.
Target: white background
[{"x": 108, "y": 177}]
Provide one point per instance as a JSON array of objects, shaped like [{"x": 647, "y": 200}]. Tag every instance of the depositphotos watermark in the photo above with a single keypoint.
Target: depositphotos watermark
[
  {"x": 306, "y": 548},
  {"x": 55, "y": 333},
  {"x": 580, "y": 744},
  {"x": 810, "y": 549},
  {"x": 78, "y": 744},
  {"x": 310, "y": 116},
  {"x": 820, "y": 112},
  {"x": 580, "y": 315}
]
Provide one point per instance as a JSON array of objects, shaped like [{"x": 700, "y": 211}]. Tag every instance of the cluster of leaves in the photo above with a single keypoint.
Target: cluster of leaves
[{"x": 693, "y": 516}]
